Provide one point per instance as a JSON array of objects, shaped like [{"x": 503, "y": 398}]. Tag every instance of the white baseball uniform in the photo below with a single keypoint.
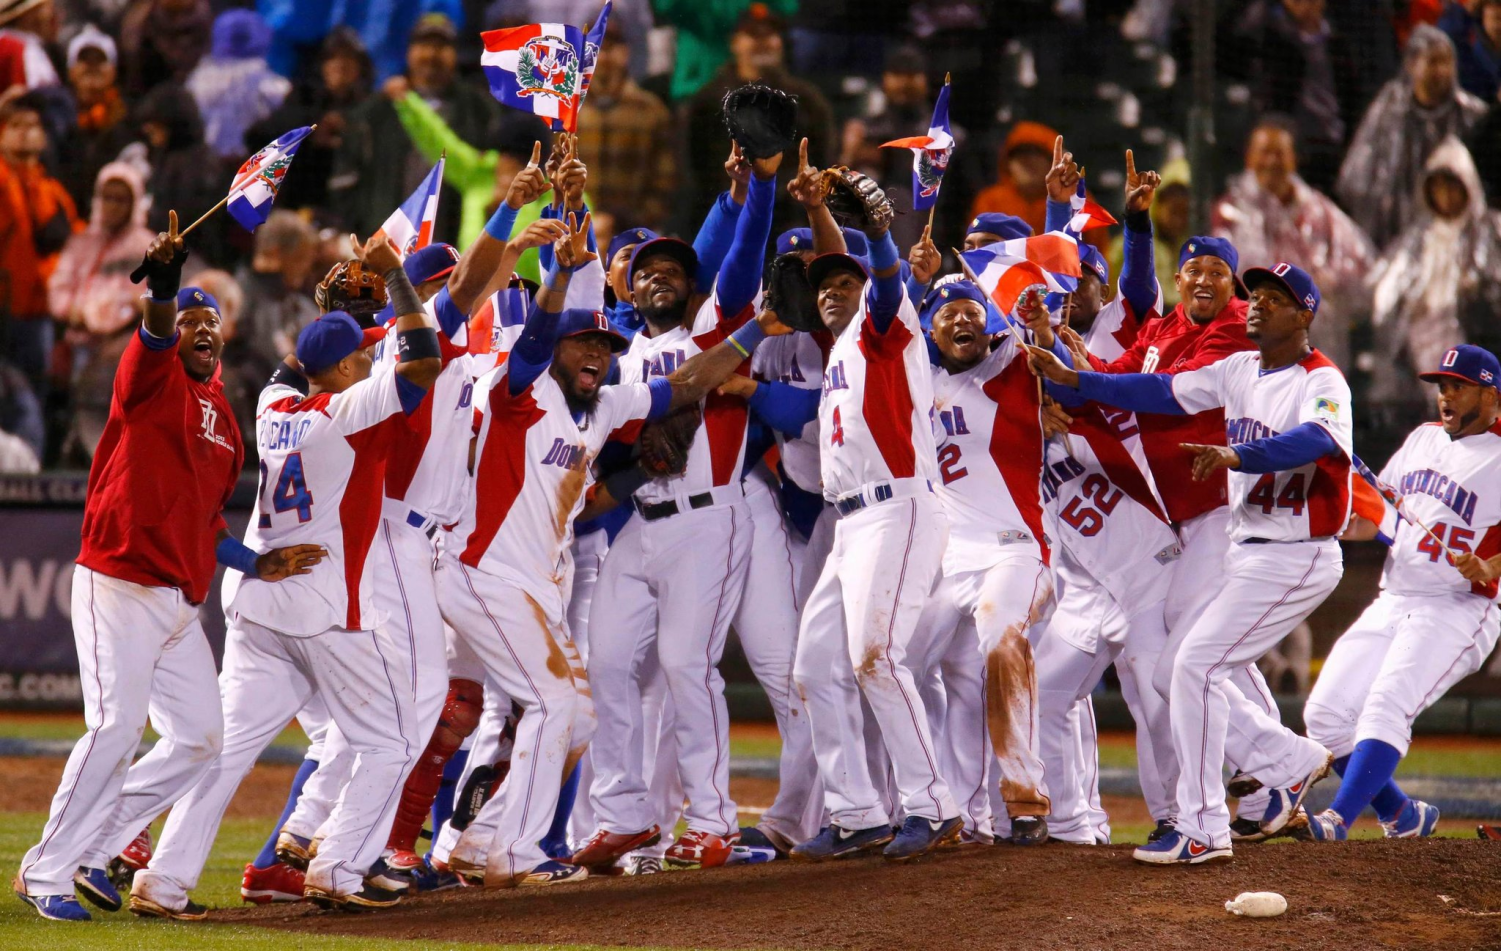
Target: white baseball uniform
[
  {"x": 1283, "y": 562},
  {"x": 878, "y": 465},
  {"x": 673, "y": 579},
  {"x": 323, "y": 467},
  {"x": 504, "y": 585},
  {"x": 1429, "y": 628}
]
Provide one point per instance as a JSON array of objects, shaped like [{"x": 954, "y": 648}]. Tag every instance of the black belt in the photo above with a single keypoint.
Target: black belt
[
  {"x": 1284, "y": 541},
  {"x": 855, "y": 503},
  {"x": 651, "y": 511}
]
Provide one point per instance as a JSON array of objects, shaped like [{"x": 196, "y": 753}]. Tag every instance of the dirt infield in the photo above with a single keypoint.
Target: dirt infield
[{"x": 1348, "y": 897}]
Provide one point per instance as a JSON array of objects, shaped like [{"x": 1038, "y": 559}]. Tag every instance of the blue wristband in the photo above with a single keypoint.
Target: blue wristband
[
  {"x": 747, "y": 338},
  {"x": 883, "y": 253},
  {"x": 500, "y": 224},
  {"x": 232, "y": 553}
]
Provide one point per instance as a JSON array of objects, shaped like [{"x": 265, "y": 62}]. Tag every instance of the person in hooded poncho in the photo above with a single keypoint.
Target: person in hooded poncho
[{"x": 1411, "y": 115}]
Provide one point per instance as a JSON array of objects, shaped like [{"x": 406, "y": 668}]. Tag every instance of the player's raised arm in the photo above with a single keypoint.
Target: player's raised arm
[
  {"x": 1138, "y": 280},
  {"x": 740, "y": 278},
  {"x": 807, "y": 189},
  {"x": 471, "y": 276},
  {"x": 1062, "y": 184},
  {"x": 162, "y": 269},
  {"x": 418, "y": 357},
  {"x": 533, "y": 352},
  {"x": 708, "y": 370}
]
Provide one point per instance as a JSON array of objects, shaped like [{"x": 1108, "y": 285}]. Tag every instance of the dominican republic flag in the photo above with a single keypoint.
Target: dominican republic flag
[
  {"x": 1374, "y": 502},
  {"x": 1087, "y": 215},
  {"x": 538, "y": 69},
  {"x": 410, "y": 226},
  {"x": 1005, "y": 269},
  {"x": 930, "y": 153},
  {"x": 592, "y": 43},
  {"x": 256, "y": 183}
]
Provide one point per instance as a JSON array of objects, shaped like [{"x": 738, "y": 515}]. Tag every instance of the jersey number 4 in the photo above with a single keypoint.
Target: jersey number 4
[
  {"x": 1294, "y": 495},
  {"x": 1434, "y": 545},
  {"x": 836, "y": 436},
  {"x": 291, "y": 491},
  {"x": 1088, "y": 521}
]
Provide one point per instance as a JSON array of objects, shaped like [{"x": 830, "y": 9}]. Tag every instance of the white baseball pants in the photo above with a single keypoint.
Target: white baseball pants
[
  {"x": 141, "y": 651},
  {"x": 524, "y": 653},
  {"x": 588, "y": 558},
  {"x": 1267, "y": 590},
  {"x": 671, "y": 586},
  {"x": 856, "y": 629},
  {"x": 267, "y": 678},
  {"x": 1398, "y": 658}
]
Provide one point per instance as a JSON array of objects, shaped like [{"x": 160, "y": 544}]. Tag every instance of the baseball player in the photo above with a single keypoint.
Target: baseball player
[
  {"x": 152, "y": 531},
  {"x": 1436, "y": 619},
  {"x": 1288, "y": 426},
  {"x": 673, "y": 576},
  {"x": 878, "y": 465},
  {"x": 323, "y": 461},
  {"x": 995, "y": 581}
]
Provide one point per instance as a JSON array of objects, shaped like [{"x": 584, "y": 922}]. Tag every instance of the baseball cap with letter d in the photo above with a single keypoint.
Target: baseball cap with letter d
[{"x": 1469, "y": 363}]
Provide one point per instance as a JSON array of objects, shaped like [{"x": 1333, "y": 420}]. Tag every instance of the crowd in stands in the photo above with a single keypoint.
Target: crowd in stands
[{"x": 1361, "y": 137}]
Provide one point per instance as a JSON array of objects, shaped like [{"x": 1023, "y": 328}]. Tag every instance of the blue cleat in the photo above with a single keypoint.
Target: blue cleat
[
  {"x": 57, "y": 907},
  {"x": 836, "y": 842},
  {"x": 425, "y": 878},
  {"x": 95, "y": 885},
  {"x": 1417, "y": 820},
  {"x": 1284, "y": 803},
  {"x": 553, "y": 873},
  {"x": 920, "y": 836},
  {"x": 1327, "y": 826},
  {"x": 1175, "y": 848}
]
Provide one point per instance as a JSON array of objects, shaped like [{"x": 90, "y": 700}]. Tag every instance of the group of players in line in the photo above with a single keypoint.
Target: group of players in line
[{"x": 932, "y": 526}]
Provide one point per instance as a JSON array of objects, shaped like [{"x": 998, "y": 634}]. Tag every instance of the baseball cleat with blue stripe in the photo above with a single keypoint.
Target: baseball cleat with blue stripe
[
  {"x": 1284, "y": 803},
  {"x": 56, "y": 907},
  {"x": 97, "y": 888},
  {"x": 1327, "y": 826},
  {"x": 553, "y": 873},
  {"x": 1417, "y": 820},
  {"x": 836, "y": 842},
  {"x": 1175, "y": 848},
  {"x": 920, "y": 836}
]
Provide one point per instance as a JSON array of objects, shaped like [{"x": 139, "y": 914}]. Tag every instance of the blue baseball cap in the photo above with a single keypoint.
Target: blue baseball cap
[
  {"x": 1204, "y": 246},
  {"x": 934, "y": 300},
  {"x": 826, "y": 264},
  {"x": 795, "y": 239},
  {"x": 625, "y": 239},
  {"x": 1466, "y": 362},
  {"x": 576, "y": 321},
  {"x": 671, "y": 247},
  {"x": 430, "y": 263},
  {"x": 1290, "y": 278},
  {"x": 331, "y": 338},
  {"x": 1005, "y": 227},
  {"x": 190, "y": 297},
  {"x": 1090, "y": 257}
]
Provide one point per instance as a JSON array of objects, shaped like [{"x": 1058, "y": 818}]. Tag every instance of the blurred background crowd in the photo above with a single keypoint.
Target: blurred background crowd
[{"x": 1358, "y": 138}]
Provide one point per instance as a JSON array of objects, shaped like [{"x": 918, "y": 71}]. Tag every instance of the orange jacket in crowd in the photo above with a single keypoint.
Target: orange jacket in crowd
[
  {"x": 30, "y": 201},
  {"x": 1003, "y": 195}
]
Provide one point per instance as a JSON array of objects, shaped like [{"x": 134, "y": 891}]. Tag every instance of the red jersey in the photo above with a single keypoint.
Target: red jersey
[
  {"x": 164, "y": 469},
  {"x": 1174, "y": 344}
]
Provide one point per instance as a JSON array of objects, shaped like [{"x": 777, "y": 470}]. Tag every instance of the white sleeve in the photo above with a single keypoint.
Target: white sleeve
[
  {"x": 586, "y": 288},
  {"x": 1201, "y": 389},
  {"x": 1326, "y": 401},
  {"x": 272, "y": 393},
  {"x": 622, "y": 403},
  {"x": 709, "y": 317},
  {"x": 368, "y": 402}
]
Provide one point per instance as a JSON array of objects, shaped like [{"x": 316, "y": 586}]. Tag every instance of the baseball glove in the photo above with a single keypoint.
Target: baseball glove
[
  {"x": 663, "y": 445},
  {"x": 789, "y": 294},
  {"x": 762, "y": 119},
  {"x": 856, "y": 201}
]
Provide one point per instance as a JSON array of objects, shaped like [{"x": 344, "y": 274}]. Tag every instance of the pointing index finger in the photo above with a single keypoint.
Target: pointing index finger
[
  {"x": 172, "y": 223},
  {"x": 1130, "y": 165},
  {"x": 1058, "y": 150},
  {"x": 536, "y": 155},
  {"x": 802, "y": 153}
]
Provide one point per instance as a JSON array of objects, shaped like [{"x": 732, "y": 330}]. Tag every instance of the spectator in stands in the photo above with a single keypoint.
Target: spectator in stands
[
  {"x": 1171, "y": 226},
  {"x": 1477, "y": 45},
  {"x": 25, "y": 27},
  {"x": 705, "y": 31},
  {"x": 621, "y": 130},
  {"x": 36, "y": 219},
  {"x": 162, "y": 40},
  {"x": 1299, "y": 67},
  {"x": 101, "y": 129},
  {"x": 758, "y": 54},
  {"x": 1412, "y": 114},
  {"x": 183, "y": 173},
  {"x": 20, "y": 410},
  {"x": 1021, "y": 188},
  {"x": 233, "y": 85},
  {"x": 1439, "y": 282},
  {"x": 90, "y": 292},
  {"x": 1270, "y": 214},
  {"x": 376, "y": 169},
  {"x": 341, "y": 79},
  {"x": 276, "y": 285}
]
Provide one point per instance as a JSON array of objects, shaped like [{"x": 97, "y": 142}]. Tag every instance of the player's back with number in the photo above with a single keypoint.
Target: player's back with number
[
  {"x": 322, "y": 473},
  {"x": 1309, "y": 501}
]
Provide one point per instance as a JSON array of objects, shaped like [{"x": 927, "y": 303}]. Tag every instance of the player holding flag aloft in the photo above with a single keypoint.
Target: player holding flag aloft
[
  {"x": 1288, "y": 418},
  {"x": 1436, "y": 618},
  {"x": 930, "y": 155}
]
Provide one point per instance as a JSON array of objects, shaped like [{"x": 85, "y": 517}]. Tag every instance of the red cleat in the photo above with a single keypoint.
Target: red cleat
[
  {"x": 137, "y": 854},
  {"x": 404, "y": 860},
  {"x": 264, "y": 886},
  {"x": 604, "y": 849},
  {"x": 701, "y": 850}
]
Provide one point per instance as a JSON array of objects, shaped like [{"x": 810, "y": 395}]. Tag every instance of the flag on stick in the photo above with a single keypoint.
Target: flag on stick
[
  {"x": 536, "y": 68},
  {"x": 410, "y": 226},
  {"x": 593, "y": 41},
  {"x": 930, "y": 153},
  {"x": 256, "y": 183}
]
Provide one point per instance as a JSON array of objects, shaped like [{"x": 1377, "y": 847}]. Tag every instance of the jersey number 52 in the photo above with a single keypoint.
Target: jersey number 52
[{"x": 1088, "y": 521}]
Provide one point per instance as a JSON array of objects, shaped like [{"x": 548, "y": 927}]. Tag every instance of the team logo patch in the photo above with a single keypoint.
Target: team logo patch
[
  {"x": 1450, "y": 357},
  {"x": 794, "y": 240},
  {"x": 1487, "y": 376},
  {"x": 1326, "y": 406},
  {"x": 548, "y": 66},
  {"x": 1308, "y": 300}
]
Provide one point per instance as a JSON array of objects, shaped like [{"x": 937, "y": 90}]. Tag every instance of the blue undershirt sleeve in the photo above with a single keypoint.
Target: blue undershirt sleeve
[
  {"x": 1138, "y": 280},
  {"x": 784, "y": 407},
  {"x": 713, "y": 240},
  {"x": 1141, "y": 392},
  {"x": 410, "y": 394},
  {"x": 1298, "y": 446},
  {"x": 885, "y": 292},
  {"x": 740, "y": 277},
  {"x": 1058, "y": 215}
]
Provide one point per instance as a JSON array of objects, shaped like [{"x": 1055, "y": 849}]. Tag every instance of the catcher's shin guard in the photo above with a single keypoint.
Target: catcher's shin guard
[{"x": 461, "y": 712}]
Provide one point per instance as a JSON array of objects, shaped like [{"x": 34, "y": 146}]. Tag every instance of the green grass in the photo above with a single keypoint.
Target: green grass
[{"x": 1426, "y": 758}]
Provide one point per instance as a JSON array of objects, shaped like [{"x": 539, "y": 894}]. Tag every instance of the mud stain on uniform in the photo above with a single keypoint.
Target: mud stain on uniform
[
  {"x": 557, "y": 661},
  {"x": 569, "y": 491},
  {"x": 1010, "y": 686},
  {"x": 867, "y": 668}
]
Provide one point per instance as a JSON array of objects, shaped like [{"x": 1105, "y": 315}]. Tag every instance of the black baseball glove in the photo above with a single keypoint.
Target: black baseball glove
[
  {"x": 762, "y": 119},
  {"x": 789, "y": 294},
  {"x": 663, "y": 445},
  {"x": 856, "y": 201}
]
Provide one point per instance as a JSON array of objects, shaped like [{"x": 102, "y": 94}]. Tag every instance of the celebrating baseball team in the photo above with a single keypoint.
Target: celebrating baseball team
[{"x": 503, "y": 530}]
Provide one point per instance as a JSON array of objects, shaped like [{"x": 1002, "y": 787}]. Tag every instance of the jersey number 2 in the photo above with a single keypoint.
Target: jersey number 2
[
  {"x": 948, "y": 464},
  {"x": 291, "y": 491}
]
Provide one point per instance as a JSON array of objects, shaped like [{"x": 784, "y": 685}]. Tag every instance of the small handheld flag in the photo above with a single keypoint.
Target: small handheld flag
[
  {"x": 1371, "y": 502},
  {"x": 1087, "y": 215},
  {"x": 593, "y": 41},
  {"x": 536, "y": 68},
  {"x": 930, "y": 153},
  {"x": 410, "y": 226},
  {"x": 1006, "y": 268},
  {"x": 256, "y": 183}
]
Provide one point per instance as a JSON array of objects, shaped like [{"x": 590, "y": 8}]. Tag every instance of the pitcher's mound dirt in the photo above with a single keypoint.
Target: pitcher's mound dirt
[{"x": 1352, "y": 896}]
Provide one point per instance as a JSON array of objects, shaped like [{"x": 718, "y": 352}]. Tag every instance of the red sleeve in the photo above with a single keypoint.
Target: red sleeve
[{"x": 144, "y": 370}]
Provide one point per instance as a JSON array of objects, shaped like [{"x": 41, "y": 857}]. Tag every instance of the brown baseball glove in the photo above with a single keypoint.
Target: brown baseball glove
[
  {"x": 663, "y": 445},
  {"x": 856, "y": 201}
]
